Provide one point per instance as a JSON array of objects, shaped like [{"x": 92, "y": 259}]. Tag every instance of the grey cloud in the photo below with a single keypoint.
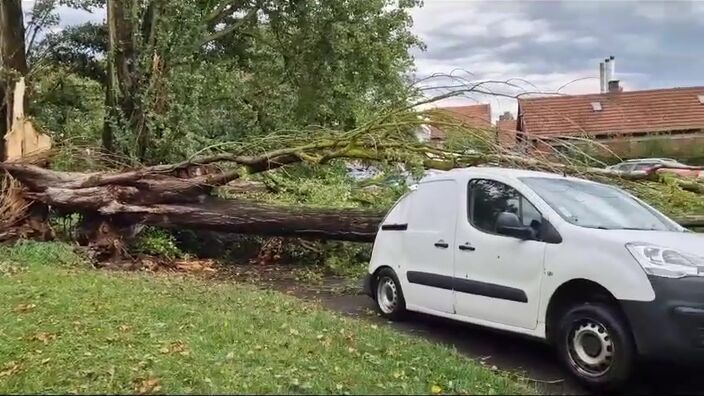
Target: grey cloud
[
  {"x": 71, "y": 16},
  {"x": 657, "y": 43}
]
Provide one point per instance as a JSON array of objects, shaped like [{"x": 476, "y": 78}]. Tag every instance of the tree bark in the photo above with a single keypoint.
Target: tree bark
[
  {"x": 13, "y": 61},
  {"x": 244, "y": 217},
  {"x": 115, "y": 202}
]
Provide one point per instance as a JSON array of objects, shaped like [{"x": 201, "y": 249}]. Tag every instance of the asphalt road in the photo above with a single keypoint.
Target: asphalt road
[{"x": 530, "y": 358}]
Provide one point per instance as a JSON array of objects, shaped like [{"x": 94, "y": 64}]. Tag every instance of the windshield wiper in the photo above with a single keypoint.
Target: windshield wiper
[{"x": 635, "y": 229}]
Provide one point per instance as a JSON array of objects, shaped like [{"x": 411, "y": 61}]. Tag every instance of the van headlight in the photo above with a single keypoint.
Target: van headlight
[{"x": 666, "y": 262}]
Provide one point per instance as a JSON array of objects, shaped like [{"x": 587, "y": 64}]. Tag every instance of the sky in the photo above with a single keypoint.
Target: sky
[{"x": 546, "y": 46}]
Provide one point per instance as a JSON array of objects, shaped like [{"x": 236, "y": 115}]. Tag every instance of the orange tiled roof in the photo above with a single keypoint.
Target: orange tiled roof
[
  {"x": 478, "y": 116},
  {"x": 657, "y": 110}
]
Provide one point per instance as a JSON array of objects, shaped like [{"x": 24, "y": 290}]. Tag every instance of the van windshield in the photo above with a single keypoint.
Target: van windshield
[{"x": 595, "y": 205}]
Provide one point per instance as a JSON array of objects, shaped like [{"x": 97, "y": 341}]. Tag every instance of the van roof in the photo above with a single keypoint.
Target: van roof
[{"x": 492, "y": 171}]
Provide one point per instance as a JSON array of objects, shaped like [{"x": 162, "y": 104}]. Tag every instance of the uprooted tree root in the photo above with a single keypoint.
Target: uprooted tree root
[{"x": 21, "y": 218}]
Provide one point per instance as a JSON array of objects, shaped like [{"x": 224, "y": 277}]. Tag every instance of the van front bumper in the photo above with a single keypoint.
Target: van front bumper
[{"x": 671, "y": 327}]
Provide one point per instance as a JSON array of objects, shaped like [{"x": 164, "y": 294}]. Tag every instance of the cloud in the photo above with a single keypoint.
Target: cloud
[
  {"x": 70, "y": 16},
  {"x": 546, "y": 46},
  {"x": 549, "y": 45}
]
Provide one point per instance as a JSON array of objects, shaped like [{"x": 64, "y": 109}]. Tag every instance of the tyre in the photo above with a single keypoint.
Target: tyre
[
  {"x": 388, "y": 295},
  {"x": 595, "y": 344}
]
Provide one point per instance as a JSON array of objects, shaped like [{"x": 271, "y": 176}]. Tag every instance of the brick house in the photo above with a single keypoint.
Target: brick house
[
  {"x": 657, "y": 122},
  {"x": 473, "y": 116},
  {"x": 632, "y": 124}
]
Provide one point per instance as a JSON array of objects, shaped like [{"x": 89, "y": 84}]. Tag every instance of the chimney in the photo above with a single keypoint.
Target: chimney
[
  {"x": 614, "y": 86},
  {"x": 613, "y": 82},
  {"x": 607, "y": 73},
  {"x": 507, "y": 115},
  {"x": 602, "y": 77}
]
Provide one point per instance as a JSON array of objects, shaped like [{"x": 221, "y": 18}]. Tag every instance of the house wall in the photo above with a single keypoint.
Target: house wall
[{"x": 685, "y": 145}]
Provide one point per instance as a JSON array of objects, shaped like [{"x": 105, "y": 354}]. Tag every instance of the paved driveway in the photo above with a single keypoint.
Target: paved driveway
[{"x": 533, "y": 359}]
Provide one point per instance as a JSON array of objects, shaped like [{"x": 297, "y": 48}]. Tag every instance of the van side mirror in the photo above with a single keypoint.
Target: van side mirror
[{"x": 510, "y": 225}]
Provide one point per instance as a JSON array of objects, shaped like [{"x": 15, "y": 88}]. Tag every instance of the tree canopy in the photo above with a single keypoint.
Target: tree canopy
[{"x": 181, "y": 75}]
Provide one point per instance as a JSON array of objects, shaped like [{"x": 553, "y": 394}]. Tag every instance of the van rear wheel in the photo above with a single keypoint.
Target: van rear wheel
[
  {"x": 596, "y": 345},
  {"x": 389, "y": 296}
]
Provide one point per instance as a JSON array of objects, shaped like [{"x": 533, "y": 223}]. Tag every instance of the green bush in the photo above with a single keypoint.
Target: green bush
[{"x": 157, "y": 242}]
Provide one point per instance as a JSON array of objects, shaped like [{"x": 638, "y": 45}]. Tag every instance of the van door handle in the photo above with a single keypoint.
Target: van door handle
[
  {"x": 467, "y": 247},
  {"x": 442, "y": 244}
]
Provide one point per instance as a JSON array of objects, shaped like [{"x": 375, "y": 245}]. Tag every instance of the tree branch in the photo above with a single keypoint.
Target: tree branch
[{"x": 230, "y": 29}]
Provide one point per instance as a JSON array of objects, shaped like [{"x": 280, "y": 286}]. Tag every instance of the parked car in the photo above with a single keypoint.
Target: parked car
[
  {"x": 587, "y": 267},
  {"x": 667, "y": 165}
]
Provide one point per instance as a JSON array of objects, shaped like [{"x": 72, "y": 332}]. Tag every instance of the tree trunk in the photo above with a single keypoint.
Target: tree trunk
[
  {"x": 115, "y": 202},
  {"x": 155, "y": 195},
  {"x": 122, "y": 67},
  {"x": 243, "y": 217},
  {"x": 135, "y": 70},
  {"x": 13, "y": 61}
]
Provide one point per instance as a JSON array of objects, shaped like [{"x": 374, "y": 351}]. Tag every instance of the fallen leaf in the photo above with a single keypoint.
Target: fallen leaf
[
  {"x": 43, "y": 337},
  {"x": 24, "y": 308},
  {"x": 125, "y": 328},
  {"x": 149, "y": 385},
  {"x": 175, "y": 347},
  {"x": 435, "y": 389},
  {"x": 10, "y": 368}
]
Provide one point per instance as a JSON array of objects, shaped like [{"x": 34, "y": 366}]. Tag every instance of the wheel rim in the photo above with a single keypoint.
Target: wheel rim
[
  {"x": 590, "y": 348},
  {"x": 387, "y": 295}
]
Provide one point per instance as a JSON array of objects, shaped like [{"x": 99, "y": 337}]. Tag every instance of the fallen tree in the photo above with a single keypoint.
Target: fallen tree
[{"x": 114, "y": 205}]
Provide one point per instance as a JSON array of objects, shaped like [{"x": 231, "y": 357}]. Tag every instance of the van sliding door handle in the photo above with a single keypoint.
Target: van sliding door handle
[
  {"x": 467, "y": 247},
  {"x": 442, "y": 245}
]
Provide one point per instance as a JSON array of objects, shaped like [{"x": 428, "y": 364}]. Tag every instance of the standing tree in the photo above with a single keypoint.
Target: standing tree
[
  {"x": 279, "y": 63},
  {"x": 13, "y": 60}
]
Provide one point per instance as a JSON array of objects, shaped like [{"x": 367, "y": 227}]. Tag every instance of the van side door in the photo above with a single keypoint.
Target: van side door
[
  {"x": 428, "y": 246},
  {"x": 497, "y": 277}
]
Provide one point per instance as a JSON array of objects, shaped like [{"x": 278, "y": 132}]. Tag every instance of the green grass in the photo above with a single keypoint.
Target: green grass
[{"x": 65, "y": 327}]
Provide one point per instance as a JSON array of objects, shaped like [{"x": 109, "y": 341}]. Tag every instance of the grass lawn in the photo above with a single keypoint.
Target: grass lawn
[{"x": 65, "y": 327}]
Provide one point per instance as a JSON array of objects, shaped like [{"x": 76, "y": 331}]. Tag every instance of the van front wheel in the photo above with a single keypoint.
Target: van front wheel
[
  {"x": 596, "y": 345},
  {"x": 389, "y": 296}
]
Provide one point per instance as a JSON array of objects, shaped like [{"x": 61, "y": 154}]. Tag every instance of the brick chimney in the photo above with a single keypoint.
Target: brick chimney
[{"x": 507, "y": 115}]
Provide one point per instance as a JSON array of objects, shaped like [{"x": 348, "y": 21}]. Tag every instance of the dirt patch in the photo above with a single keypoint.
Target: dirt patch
[
  {"x": 157, "y": 264},
  {"x": 296, "y": 280}
]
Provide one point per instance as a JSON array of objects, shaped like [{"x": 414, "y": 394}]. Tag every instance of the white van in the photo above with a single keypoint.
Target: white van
[{"x": 587, "y": 267}]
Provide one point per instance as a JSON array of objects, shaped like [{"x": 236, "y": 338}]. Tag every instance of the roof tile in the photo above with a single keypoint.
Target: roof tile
[
  {"x": 476, "y": 116},
  {"x": 656, "y": 110}
]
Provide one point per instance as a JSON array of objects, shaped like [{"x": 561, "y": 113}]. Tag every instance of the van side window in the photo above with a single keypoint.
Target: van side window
[{"x": 489, "y": 198}]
